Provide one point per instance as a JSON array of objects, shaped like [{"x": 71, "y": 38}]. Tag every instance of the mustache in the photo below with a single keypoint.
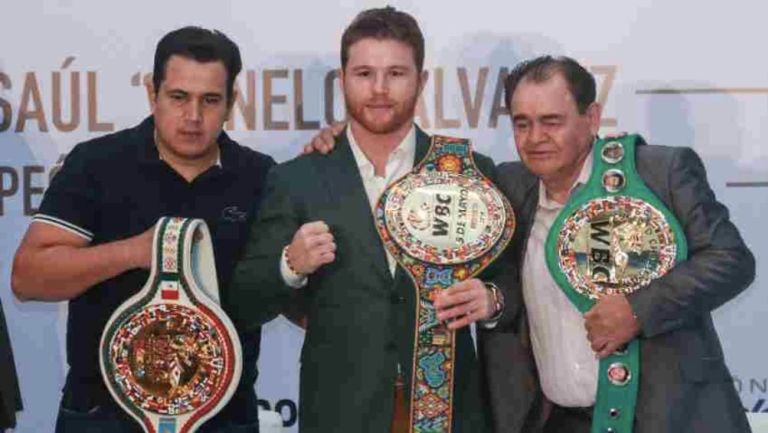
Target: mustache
[{"x": 380, "y": 102}]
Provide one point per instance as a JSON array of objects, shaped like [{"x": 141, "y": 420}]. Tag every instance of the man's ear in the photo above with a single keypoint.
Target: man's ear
[
  {"x": 594, "y": 113},
  {"x": 231, "y": 102},
  {"x": 423, "y": 78},
  {"x": 152, "y": 92}
]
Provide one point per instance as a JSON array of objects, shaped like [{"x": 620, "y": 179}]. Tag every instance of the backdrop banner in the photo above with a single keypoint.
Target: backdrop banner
[{"x": 679, "y": 73}]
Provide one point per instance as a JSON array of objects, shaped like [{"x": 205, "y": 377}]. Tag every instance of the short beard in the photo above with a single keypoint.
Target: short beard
[{"x": 398, "y": 120}]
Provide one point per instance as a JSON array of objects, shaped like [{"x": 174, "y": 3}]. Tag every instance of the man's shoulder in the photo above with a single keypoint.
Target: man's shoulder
[
  {"x": 482, "y": 159},
  {"x": 657, "y": 151},
  {"x": 657, "y": 157},
  {"x": 514, "y": 171},
  {"x": 110, "y": 148},
  {"x": 299, "y": 177},
  {"x": 248, "y": 159},
  {"x": 514, "y": 180},
  {"x": 305, "y": 162}
]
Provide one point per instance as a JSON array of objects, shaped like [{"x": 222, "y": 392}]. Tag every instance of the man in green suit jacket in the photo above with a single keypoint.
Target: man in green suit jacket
[{"x": 316, "y": 236}]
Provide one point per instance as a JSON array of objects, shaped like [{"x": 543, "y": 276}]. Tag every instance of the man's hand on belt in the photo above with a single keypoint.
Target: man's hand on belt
[
  {"x": 464, "y": 303},
  {"x": 610, "y": 324}
]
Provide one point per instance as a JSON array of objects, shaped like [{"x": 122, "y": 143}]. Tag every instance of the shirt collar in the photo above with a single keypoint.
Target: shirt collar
[
  {"x": 586, "y": 171},
  {"x": 406, "y": 149}
]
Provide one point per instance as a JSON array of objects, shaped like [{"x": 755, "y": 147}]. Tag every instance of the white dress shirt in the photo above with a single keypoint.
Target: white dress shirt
[
  {"x": 399, "y": 163},
  {"x": 565, "y": 360}
]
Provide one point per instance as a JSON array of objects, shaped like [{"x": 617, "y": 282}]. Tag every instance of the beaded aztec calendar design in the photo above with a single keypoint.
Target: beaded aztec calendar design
[{"x": 443, "y": 223}]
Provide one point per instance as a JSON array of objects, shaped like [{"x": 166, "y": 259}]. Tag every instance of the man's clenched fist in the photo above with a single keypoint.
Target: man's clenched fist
[{"x": 312, "y": 246}]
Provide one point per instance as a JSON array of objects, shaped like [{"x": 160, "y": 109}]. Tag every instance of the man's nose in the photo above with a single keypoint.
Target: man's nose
[{"x": 194, "y": 111}]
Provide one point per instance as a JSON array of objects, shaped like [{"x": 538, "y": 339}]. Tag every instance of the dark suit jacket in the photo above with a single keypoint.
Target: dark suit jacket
[
  {"x": 10, "y": 397},
  {"x": 360, "y": 319},
  {"x": 685, "y": 385}
]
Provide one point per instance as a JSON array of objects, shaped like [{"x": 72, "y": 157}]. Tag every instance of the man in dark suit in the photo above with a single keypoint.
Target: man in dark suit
[
  {"x": 316, "y": 236},
  {"x": 10, "y": 397},
  {"x": 540, "y": 357}
]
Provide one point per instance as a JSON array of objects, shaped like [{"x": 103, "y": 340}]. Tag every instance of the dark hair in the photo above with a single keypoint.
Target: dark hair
[
  {"x": 384, "y": 23},
  {"x": 201, "y": 45},
  {"x": 581, "y": 83}
]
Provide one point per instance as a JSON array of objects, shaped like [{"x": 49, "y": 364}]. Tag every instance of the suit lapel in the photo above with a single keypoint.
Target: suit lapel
[
  {"x": 342, "y": 179},
  {"x": 525, "y": 203},
  {"x": 528, "y": 212},
  {"x": 345, "y": 186},
  {"x": 423, "y": 143}
]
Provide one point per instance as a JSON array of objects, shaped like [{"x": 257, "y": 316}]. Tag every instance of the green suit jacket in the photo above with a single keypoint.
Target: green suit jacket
[{"x": 360, "y": 319}]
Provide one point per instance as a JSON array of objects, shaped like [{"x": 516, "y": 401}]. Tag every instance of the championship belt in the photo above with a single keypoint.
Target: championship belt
[
  {"x": 443, "y": 223},
  {"x": 169, "y": 355},
  {"x": 614, "y": 236}
]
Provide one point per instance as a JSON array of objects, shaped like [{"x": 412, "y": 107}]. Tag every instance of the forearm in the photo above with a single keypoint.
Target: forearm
[
  {"x": 697, "y": 286},
  {"x": 719, "y": 264},
  {"x": 61, "y": 272}
]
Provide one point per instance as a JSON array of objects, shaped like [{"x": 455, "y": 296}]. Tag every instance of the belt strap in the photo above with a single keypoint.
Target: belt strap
[{"x": 614, "y": 236}]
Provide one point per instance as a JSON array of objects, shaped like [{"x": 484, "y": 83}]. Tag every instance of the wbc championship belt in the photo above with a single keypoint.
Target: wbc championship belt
[
  {"x": 169, "y": 355},
  {"x": 614, "y": 236},
  {"x": 443, "y": 223}
]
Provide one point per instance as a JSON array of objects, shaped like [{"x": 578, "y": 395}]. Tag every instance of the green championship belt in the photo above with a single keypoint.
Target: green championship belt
[
  {"x": 614, "y": 236},
  {"x": 443, "y": 223},
  {"x": 169, "y": 355}
]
